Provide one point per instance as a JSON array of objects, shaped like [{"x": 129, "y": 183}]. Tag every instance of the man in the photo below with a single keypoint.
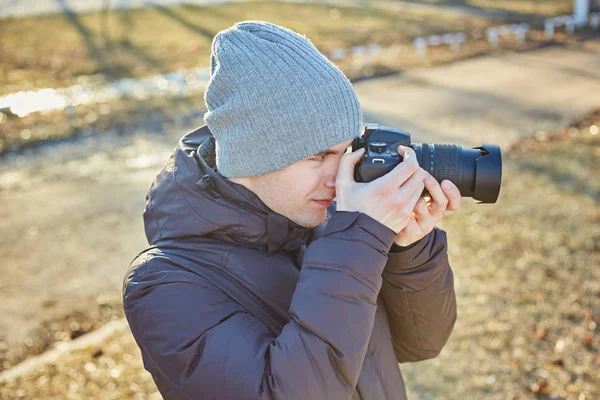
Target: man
[{"x": 255, "y": 285}]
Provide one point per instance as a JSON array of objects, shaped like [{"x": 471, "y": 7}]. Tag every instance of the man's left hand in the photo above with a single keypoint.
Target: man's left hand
[{"x": 428, "y": 212}]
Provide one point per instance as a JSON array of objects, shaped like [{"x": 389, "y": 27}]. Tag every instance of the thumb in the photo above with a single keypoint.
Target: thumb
[{"x": 347, "y": 164}]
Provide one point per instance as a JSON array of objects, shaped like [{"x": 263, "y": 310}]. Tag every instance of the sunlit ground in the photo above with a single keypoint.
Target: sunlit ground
[{"x": 527, "y": 284}]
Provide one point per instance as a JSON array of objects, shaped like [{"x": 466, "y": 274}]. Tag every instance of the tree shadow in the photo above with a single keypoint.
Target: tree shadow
[
  {"x": 560, "y": 177},
  {"x": 171, "y": 14},
  {"x": 86, "y": 34},
  {"x": 127, "y": 45},
  {"x": 569, "y": 70},
  {"x": 489, "y": 12},
  {"x": 480, "y": 102},
  {"x": 214, "y": 12}
]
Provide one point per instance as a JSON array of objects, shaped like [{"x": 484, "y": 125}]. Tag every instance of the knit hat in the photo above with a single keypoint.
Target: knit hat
[{"x": 274, "y": 99}]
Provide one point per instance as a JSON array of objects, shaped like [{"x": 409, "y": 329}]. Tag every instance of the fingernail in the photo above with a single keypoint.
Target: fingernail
[{"x": 447, "y": 185}]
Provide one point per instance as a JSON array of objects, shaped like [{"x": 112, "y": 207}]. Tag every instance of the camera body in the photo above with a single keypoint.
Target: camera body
[
  {"x": 477, "y": 172},
  {"x": 381, "y": 151}
]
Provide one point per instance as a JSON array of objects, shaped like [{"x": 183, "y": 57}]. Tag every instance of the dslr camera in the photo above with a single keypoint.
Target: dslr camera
[{"x": 477, "y": 172}]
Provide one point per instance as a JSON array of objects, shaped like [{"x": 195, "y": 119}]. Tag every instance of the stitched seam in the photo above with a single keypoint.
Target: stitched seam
[
  {"x": 355, "y": 277},
  {"x": 154, "y": 216},
  {"x": 368, "y": 355},
  {"x": 197, "y": 217},
  {"x": 143, "y": 272},
  {"x": 357, "y": 241},
  {"x": 414, "y": 325}
]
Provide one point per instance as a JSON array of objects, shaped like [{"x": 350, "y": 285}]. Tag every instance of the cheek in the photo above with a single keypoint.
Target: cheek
[
  {"x": 291, "y": 191},
  {"x": 309, "y": 183}
]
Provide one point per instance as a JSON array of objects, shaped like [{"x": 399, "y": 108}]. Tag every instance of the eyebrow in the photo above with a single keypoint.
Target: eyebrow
[{"x": 328, "y": 152}]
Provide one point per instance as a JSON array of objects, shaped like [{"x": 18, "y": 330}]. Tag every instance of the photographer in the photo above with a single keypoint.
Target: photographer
[{"x": 256, "y": 284}]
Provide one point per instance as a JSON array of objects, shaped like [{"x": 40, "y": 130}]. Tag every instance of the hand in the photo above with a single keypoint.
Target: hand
[
  {"x": 428, "y": 212},
  {"x": 389, "y": 199}
]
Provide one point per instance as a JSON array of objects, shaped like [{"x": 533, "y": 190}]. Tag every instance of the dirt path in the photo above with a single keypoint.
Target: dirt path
[{"x": 70, "y": 215}]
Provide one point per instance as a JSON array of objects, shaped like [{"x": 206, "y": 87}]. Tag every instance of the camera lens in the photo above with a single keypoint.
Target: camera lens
[{"x": 477, "y": 172}]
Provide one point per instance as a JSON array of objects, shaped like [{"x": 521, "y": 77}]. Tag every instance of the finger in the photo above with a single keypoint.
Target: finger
[
  {"x": 440, "y": 202},
  {"x": 412, "y": 186},
  {"x": 416, "y": 196},
  {"x": 412, "y": 228},
  {"x": 423, "y": 216},
  {"x": 453, "y": 195},
  {"x": 347, "y": 164},
  {"x": 411, "y": 190},
  {"x": 403, "y": 170},
  {"x": 422, "y": 209}
]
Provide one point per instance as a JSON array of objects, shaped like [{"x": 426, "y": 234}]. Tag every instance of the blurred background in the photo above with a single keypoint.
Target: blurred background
[{"x": 94, "y": 95}]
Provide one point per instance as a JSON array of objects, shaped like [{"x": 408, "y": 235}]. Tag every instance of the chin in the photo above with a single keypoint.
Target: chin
[{"x": 311, "y": 221}]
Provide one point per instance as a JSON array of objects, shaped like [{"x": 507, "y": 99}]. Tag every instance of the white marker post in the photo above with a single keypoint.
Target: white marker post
[
  {"x": 505, "y": 30},
  {"x": 594, "y": 19},
  {"x": 448, "y": 38},
  {"x": 459, "y": 39},
  {"x": 374, "y": 48},
  {"x": 371, "y": 50},
  {"x": 549, "y": 28},
  {"x": 582, "y": 9},
  {"x": 338, "y": 54},
  {"x": 570, "y": 25},
  {"x": 492, "y": 36},
  {"x": 435, "y": 40},
  {"x": 521, "y": 32},
  {"x": 421, "y": 46},
  {"x": 359, "y": 50}
]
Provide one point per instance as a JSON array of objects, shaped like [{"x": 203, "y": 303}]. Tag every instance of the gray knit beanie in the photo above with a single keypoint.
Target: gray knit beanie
[{"x": 274, "y": 99}]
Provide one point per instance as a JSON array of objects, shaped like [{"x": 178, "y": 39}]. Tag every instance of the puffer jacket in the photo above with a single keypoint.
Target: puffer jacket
[{"x": 234, "y": 301}]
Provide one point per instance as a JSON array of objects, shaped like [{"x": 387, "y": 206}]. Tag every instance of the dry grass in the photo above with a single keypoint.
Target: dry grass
[
  {"x": 123, "y": 114},
  {"x": 52, "y": 51},
  {"x": 528, "y": 280},
  {"x": 528, "y": 286},
  {"x": 81, "y": 318},
  {"x": 97, "y": 47},
  {"x": 542, "y": 7}
]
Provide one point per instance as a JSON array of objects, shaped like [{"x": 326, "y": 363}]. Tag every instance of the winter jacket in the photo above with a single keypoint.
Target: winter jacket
[{"x": 234, "y": 301}]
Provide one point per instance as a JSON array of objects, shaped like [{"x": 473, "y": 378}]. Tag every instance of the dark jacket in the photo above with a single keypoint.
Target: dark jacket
[{"x": 234, "y": 301}]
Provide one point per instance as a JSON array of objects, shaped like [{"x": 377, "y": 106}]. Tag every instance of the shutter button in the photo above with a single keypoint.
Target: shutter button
[{"x": 378, "y": 147}]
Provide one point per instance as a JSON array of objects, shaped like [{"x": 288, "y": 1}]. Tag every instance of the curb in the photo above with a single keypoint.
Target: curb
[{"x": 59, "y": 349}]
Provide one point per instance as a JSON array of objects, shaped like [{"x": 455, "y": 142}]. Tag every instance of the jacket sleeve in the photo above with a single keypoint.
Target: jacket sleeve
[
  {"x": 207, "y": 346},
  {"x": 418, "y": 293}
]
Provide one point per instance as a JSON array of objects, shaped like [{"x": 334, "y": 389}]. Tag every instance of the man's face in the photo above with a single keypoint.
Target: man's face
[{"x": 295, "y": 191}]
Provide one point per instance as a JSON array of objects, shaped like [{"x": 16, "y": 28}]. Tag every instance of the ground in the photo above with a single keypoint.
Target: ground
[
  {"x": 527, "y": 284},
  {"x": 526, "y": 268}
]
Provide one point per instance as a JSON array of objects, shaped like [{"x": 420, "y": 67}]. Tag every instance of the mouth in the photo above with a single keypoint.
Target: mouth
[{"x": 324, "y": 202}]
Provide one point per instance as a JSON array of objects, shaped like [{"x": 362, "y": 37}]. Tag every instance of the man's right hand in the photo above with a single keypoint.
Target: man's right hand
[{"x": 389, "y": 199}]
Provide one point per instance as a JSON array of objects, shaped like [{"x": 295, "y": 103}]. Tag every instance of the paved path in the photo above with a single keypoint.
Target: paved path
[
  {"x": 22, "y": 8},
  {"x": 70, "y": 227},
  {"x": 492, "y": 99}
]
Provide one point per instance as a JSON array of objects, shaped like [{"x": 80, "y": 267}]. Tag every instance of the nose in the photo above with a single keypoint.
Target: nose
[
  {"x": 330, "y": 181},
  {"x": 331, "y": 175}
]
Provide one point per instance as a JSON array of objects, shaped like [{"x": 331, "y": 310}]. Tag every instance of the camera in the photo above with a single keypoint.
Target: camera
[{"x": 477, "y": 172}]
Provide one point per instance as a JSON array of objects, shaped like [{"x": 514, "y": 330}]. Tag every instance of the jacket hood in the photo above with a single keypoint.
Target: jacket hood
[{"x": 189, "y": 198}]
